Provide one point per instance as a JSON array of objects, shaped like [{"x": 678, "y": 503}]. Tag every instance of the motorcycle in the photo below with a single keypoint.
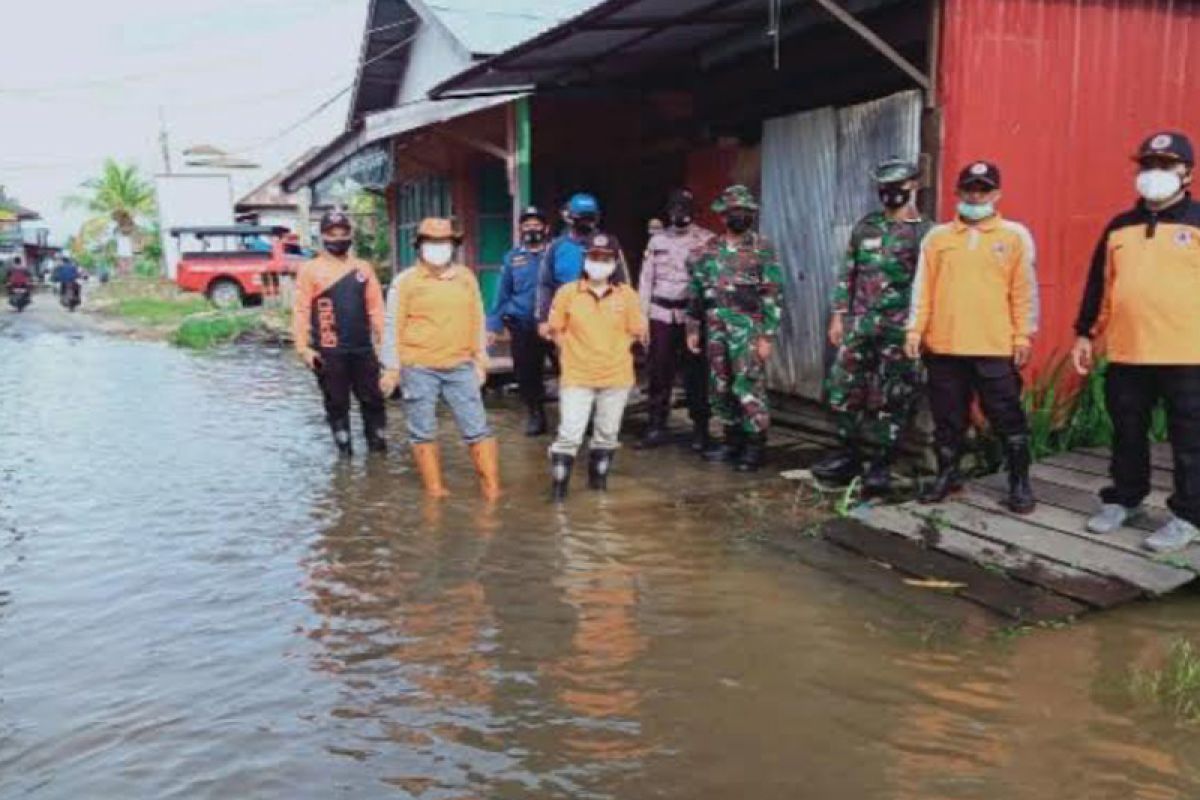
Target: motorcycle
[
  {"x": 19, "y": 297},
  {"x": 71, "y": 296}
]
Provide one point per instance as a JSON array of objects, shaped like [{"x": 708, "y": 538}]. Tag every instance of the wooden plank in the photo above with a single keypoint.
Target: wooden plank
[
  {"x": 1069, "y": 523},
  {"x": 1087, "y": 483},
  {"x": 1075, "y": 552},
  {"x": 1094, "y": 465},
  {"x": 1157, "y": 501},
  {"x": 1011, "y": 598},
  {"x": 1050, "y": 574},
  {"x": 1160, "y": 456}
]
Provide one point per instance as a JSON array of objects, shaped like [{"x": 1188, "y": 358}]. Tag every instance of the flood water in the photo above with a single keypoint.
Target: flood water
[{"x": 198, "y": 601}]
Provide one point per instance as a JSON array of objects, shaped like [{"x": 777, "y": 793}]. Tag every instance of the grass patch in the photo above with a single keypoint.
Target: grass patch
[
  {"x": 156, "y": 311},
  {"x": 202, "y": 331},
  {"x": 1175, "y": 686}
]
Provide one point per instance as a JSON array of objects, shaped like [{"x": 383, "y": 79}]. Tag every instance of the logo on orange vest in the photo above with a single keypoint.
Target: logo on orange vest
[
  {"x": 1000, "y": 249},
  {"x": 1160, "y": 142},
  {"x": 361, "y": 276},
  {"x": 1183, "y": 238}
]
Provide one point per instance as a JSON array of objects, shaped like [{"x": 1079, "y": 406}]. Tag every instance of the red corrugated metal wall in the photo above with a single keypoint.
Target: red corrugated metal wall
[{"x": 1059, "y": 93}]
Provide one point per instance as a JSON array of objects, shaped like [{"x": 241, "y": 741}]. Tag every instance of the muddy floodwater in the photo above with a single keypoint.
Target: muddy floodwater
[{"x": 198, "y": 601}]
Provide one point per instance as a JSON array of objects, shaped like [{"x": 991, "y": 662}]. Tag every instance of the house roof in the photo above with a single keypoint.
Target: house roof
[
  {"x": 271, "y": 193},
  {"x": 488, "y": 27}
]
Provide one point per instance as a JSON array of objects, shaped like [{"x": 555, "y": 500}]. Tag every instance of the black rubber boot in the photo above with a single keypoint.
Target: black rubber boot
[
  {"x": 730, "y": 448},
  {"x": 341, "y": 437},
  {"x": 560, "y": 475},
  {"x": 655, "y": 435},
  {"x": 948, "y": 480},
  {"x": 599, "y": 465},
  {"x": 376, "y": 441},
  {"x": 839, "y": 468},
  {"x": 754, "y": 454},
  {"x": 535, "y": 425},
  {"x": 878, "y": 480},
  {"x": 1020, "y": 492},
  {"x": 701, "y": 441}
]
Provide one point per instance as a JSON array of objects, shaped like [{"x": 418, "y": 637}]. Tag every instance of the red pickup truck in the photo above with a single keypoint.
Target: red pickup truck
[{"x": 235, "y": 265}]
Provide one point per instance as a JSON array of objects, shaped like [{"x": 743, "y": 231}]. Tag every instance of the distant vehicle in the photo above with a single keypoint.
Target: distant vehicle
[
  {"x": 18, "y": 297},
  {"x": 235, "y": 265},
  {"x": 71, "y": 296}
]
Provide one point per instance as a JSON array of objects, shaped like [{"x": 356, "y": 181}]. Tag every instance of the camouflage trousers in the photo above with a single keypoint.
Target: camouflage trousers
[
  {"x": 737, "y": 377},
  {"x": 872, "y": 386}
]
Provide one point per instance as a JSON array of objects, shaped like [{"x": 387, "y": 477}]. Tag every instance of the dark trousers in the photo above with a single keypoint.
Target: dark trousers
[
  {"x": 343, "y": 373},
  {"x": 955, "y": 380},
  {"x": 668, "y": 354},
  {"x": 529, "y": 353},
  {"x": 1132, "y": 392}
]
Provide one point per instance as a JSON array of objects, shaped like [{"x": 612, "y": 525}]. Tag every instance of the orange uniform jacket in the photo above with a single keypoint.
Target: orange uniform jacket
[
  {"x": 975, "y": 291},
  {"x": 1143, "y": 290},
  {"x": 338, "y": 306},
  {"x": 595, "y": 334},
  {"x": 439, "y": 318}
]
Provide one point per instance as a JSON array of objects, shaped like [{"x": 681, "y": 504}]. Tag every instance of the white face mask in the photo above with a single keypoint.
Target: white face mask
[
  {"x": 437, "y": 254},
  {"x": 599, "y": 270},
  {"x": 1157, "y": 185}
]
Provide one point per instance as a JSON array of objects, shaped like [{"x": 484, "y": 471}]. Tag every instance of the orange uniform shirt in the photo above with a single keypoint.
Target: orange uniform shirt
[
  {"x": 439, "y": 318},
  {"x": 975, "y": 291},
  {"x": 595, "y": 334},
  {"x": 344, "y": 298},
  {"x": 1143, "y": 292}
]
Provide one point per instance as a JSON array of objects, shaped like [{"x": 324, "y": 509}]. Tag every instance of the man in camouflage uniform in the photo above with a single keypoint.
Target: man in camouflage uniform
[
  {"x": 872, "y": 385},
  {"x": 736, "y": 283}
]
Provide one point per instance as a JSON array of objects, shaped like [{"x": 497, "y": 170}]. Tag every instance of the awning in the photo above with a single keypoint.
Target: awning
[
  {"x": 385, "y": 125},
  {"x": 620, "y": 39}
]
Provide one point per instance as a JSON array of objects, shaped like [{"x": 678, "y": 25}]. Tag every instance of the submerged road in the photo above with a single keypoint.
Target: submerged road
[{"x": 197, "y": 600}]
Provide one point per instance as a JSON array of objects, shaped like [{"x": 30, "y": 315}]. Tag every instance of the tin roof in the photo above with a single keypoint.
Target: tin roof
[
  {"x": 271, "y": 193},
  {"x": 488, "y": 27}
]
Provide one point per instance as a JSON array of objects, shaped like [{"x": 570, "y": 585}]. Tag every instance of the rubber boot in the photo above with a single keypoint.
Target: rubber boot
[
  {"x": 486, "y": 457},
  {"x": 428, "y": 459},
  {"x": 535, "y": 425},
  {"x": 730, "y": 448},
  {"x": 341, "y": 437},
  {"x": 878, "y": 480},
  {"x": 655, "y": 434},
  {"x": 1020, "y": 492},
  {"x": 373, "y": 432},
  {"x": 701, "y": 440},
  {"x": 754, "y": 455},
  {"x": 599, "y": 465},
  {"x": 948, "y": 480},
  {"x": 560, "y": 475},
  {"x": 839, "y": 468}
]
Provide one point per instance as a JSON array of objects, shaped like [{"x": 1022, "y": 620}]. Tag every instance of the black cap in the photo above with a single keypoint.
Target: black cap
[
  {"x": 1168, "y": 144},
  {"x": 983, "y": 172},
  {"x": 335, "y": 219},
  {"x": 532, "y": 212},
  {"x": 681, "y": 198},
  {"x": 602, "y": 243}
]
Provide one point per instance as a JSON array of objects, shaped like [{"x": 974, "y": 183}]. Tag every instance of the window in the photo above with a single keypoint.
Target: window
[{"x": 416, "y": 200}]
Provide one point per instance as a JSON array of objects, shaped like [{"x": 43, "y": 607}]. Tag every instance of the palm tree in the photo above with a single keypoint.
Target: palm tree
[{"x": 120, "y": 196}]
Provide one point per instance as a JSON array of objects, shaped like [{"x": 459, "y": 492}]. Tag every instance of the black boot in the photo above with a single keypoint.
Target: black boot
[
  {"x": 599, "y": 465},
  {"x": 701, "y": 441},
  {"x": 341, "y": 437},
  {"x": 840, "y": 468},
  {"x": 535, "y": 425},
  {"x": 560, "y": 475},
  {"x": 878, "y": 480},
  {"x": 948, "y": 480},
  {"x": 1020, "y": 493},
  {"x": 730, "y": 448},
  {"x": 376, "y": 441},
  {"x": 655, "y": 435},
  {"x": 754, "y": 455}
]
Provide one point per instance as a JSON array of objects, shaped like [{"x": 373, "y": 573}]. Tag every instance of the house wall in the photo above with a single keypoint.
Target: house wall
[{"x": 1059, "y": 93}]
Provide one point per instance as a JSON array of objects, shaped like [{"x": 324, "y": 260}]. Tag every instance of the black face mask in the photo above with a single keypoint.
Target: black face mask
[
  {"x": 337, "y": 247},
  {"x": 739, "y": 223},
  {"x": 584, "y": 225},
  {"x": 533, "y": 237},
  {"x": 895, "y": 198},
  {"x": 681, "y": 219}
]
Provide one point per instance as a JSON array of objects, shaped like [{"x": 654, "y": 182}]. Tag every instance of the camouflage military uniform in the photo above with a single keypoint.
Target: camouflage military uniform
[
  {"x": 872, "y": 385},
  {"x": 735, "y": 294}
]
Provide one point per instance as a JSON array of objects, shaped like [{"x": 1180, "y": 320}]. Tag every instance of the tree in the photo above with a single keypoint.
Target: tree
[{"x": 119, "y": 196}]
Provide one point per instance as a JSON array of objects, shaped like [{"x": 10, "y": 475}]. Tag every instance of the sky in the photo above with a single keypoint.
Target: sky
[{"x": 82, "y": 81}]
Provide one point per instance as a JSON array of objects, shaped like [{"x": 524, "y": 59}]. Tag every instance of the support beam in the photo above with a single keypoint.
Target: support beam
[{"x": 872, "y": 38}]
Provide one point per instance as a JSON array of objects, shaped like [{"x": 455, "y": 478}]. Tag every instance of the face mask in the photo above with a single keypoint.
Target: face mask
[
  {"x": 739, "y": 223},
  {"x": 599, "y": 270},
  {"x": 1157, "y": 185},
  {"x": 974, "y": 212},
  {"x": 337, "y": 247},
  {"x": 437, "y": 254},
  {"x": 895, "y": 198},
  {"x": 584, "y": 226},
  {"x": 681, "y": 220},
  {"x": 533, "y": 237}
]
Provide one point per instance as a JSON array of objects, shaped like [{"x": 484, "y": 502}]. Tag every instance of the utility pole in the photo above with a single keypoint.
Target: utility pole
[{"x": 163, "y": 140}]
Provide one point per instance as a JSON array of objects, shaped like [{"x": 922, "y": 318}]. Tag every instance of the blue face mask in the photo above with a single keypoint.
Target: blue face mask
[{"x": 973, "y": 212}]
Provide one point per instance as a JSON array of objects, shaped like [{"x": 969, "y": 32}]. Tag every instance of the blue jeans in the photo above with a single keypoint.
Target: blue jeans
[{"x": 459, "y": 386}]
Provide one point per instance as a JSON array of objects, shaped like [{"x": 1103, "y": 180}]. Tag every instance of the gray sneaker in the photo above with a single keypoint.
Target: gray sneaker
[
  {"x": 1175, "y": 535},
  {"x": 1111, "y": 517}
]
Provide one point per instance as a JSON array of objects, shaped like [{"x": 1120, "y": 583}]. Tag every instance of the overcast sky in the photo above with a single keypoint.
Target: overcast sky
[{"x": 80, "y": 81}]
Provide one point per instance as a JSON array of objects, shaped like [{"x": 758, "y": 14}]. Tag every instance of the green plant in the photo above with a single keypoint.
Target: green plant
[
  {"x": 202, "y": 331},
  {"x": 1173, "y": 687},
  {"x": 848, "y": 498}
]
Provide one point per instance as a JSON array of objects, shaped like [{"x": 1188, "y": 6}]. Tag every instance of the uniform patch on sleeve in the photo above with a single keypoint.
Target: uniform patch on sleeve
[
  {"x": 872, "y": 244},
  {"x": 361, "y": 276}
]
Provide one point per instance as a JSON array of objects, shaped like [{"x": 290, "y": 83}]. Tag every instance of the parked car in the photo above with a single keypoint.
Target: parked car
[{"x": 235, "y": 265}]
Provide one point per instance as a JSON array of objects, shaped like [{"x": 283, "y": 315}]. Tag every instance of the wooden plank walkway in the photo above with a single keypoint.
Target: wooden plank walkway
[{"x": 1052, "y": 567}]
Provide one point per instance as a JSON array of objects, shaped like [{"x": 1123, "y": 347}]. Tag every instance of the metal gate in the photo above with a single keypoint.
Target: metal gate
[{"x": 816, "y": 185}]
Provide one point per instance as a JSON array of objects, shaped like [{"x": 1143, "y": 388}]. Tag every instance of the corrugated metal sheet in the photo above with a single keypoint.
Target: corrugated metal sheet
[
  {"x": 1059, "y": 93},
  {"x": 816, "y": 185},
  {"x": 488, "y": 27}
]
